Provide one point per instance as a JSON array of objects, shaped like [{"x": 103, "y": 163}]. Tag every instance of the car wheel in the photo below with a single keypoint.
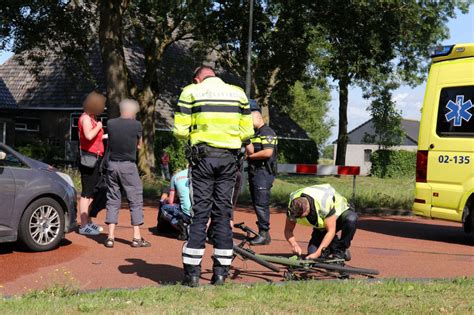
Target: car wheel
[{"x": 42, "y": 225}]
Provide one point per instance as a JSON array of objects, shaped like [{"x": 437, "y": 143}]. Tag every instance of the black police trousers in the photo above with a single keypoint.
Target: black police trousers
[
  {"x": 260, "y": 185},
  {"x": 212, "y": 183},
  {"x": 346, "y": 223}
]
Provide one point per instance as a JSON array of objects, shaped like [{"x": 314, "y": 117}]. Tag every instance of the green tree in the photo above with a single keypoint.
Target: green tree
[
  {"x": 386, "y": 120},
  {"x": 365, "y": 42},
  {"x": 68, "y": 30},
  {"x": 279, "y": 50},
  {"x": 328, "y": 152},
  {"x": 154, "y": 25},
  {"x": 309, "y": 109}
]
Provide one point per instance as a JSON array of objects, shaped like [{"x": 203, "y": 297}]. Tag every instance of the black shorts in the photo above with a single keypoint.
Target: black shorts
[{"x": 89, "y": 179}]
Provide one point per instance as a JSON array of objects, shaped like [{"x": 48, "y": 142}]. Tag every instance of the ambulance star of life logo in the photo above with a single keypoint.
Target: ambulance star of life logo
[{"x": 459, "y": 111}]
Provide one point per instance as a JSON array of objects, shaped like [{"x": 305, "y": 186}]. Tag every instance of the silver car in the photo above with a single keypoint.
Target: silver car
[{"x": 37, "y": 202}]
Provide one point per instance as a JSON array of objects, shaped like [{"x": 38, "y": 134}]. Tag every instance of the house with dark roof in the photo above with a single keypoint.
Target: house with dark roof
[
  {"x": 45, "y": 106},
  {"x": 358, "y": 151}
]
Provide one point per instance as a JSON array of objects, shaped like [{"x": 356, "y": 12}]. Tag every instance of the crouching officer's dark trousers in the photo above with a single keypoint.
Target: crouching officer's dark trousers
[
  {"x": 212, "y": 181},
  {"x": 346, "y": 223},
  {"x": 260, "y": 185}
]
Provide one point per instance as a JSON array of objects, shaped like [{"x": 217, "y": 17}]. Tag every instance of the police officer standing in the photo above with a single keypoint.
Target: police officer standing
[
  {"x": 215, "y": 118},
  {"x": 262, "y": 159}
]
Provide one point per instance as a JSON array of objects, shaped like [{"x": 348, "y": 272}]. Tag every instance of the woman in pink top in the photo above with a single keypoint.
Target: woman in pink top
[{"x": 90, "y": 139}]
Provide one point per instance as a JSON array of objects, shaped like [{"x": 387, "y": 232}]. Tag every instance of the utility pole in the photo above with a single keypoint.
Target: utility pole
[{"x": 249, "y": 52}]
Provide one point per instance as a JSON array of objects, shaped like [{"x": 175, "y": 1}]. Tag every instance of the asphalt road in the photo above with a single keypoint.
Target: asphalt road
[{"x": 399, "y": 247}]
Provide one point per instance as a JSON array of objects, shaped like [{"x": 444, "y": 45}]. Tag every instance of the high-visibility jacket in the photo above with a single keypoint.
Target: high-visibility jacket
[
  {"x": 213, "y": 113},
  {"x": 324, "y": 201}
]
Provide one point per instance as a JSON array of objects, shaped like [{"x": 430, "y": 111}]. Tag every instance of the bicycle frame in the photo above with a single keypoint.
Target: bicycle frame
[{"x": 334, "y": 265}]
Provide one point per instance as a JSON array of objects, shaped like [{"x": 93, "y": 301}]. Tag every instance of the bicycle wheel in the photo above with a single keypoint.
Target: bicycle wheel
[
  {"x": 345, "y": 269},
  {"x": 248, "y": 255}
]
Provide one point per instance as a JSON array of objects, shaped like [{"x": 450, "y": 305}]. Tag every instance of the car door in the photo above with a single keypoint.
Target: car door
[
  {"x": 451, "y": 157},
  {"x": 7, "y": 192}
]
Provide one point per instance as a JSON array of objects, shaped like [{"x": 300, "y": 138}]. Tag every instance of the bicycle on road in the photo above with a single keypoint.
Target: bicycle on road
[{"x": 295, "y": 268}]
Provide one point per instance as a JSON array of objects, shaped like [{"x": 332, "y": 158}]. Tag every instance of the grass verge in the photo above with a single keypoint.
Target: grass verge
[
  {"x": 371, "y": 192},
  {"x": 385, "y": 297}
]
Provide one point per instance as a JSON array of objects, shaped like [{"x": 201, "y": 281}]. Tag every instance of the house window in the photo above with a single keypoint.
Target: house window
[
  {"x": 367, "y": 153},
  {"x": 27, "y": 124}
]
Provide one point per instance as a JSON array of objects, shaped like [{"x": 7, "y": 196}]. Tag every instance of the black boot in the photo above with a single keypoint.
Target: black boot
[
  {"x": 183, "y": 231},
  {"x": 191, "y": 275},
  {"x": 325, "y": 254},
  {"x": 347, "y": 255},
  {"x": 218, "y": 280},
  {"x": 341, "y": 253},
  {"x": 190, "y": 281},
  {"x": 262, "y": 239}
]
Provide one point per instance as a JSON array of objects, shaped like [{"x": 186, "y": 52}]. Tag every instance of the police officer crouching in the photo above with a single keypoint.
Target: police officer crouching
[
  {"x": 215, "y": 118},
  {"x": 262, "y": 160},
  {"x": 324, "y": 209}
]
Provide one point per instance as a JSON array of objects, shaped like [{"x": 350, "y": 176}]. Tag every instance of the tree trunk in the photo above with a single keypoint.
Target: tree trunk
[
  {"x": 146, "y": 155},
  {"x": 111, "y": 49},
  {"x": 268, "y": 93},
  {"x": 147, "y": 98},
  {"x": 342, "y": 137}
]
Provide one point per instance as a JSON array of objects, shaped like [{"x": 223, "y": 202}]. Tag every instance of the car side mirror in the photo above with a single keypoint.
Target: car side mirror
[{"x": 3, "y": 155}]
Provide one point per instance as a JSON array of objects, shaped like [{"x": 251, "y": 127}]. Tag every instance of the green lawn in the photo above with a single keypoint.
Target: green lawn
[
  {"x": 371, "y": 192},
  {"x": 386, "y": 297}
]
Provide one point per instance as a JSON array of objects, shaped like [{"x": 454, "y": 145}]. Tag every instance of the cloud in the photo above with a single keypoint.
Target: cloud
[
  {"x": 409, "y": 101},
  {"x": 399, "y": 97}
]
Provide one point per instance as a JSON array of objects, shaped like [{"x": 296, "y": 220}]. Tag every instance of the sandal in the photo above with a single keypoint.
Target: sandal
[
  {"x": 109, "y": 243},
  {"x": 140, "y": 242}
]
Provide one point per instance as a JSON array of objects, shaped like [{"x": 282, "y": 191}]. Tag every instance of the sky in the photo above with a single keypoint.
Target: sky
[{"x": 409, "y": 100}]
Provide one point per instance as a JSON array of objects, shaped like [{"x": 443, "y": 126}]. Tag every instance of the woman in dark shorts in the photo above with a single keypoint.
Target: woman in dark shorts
[{"x": 90, "y": 139}]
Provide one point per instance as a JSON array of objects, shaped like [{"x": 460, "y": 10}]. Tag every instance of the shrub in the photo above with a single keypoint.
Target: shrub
[
  {"x": 167, "y": 142},
  {"x": 393, "y": 164},
  {"x": 289, "y": 151},
  {"x": 42, "y": 151},
  {"x": 297, "y": 151}
]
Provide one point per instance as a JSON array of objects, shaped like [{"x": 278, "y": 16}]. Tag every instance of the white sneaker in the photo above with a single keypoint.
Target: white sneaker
[
  {"x": 88, "y": 230},
  {"x": 96, "y": 227}
]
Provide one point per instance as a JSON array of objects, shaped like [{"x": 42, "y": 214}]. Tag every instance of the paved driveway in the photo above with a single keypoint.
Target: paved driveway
[{"x": 402, "y": 247}]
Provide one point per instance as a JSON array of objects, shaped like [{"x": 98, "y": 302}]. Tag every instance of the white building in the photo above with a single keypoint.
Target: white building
[{"x": 358, "y": 152}]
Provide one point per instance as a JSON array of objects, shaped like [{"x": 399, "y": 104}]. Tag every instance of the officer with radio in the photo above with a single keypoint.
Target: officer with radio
[
  {"x": 262, "y": 169},
  {"x": 215, "y": 118}
]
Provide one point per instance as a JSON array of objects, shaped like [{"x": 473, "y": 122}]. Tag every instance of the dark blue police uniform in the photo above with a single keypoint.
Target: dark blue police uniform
[{"x": 261, "y": 176}]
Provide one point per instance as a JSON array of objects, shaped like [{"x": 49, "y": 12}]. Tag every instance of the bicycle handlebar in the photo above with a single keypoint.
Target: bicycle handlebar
[{"x": 245, "y": 228}]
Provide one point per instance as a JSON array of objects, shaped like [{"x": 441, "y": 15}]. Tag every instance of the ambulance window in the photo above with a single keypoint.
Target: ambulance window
[{"x": 456, "y": 112}]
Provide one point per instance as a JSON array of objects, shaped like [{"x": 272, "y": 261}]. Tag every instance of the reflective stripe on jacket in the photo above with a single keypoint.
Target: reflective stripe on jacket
[{"x": 214, "y": 113}]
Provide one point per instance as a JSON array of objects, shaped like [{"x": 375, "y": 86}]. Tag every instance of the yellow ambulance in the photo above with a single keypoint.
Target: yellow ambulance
[{"x": 445, "y": 158}]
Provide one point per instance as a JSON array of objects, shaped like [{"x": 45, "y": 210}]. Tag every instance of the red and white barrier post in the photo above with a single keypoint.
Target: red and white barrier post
[{"x": 322, "y": 170}]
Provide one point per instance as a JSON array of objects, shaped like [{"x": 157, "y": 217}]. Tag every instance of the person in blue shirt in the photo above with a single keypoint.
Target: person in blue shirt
[{"x": 178, "y": 214}]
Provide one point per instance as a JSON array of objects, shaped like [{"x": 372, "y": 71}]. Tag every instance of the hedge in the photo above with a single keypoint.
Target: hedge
[
  {"x": 297, "y": 151},
  {"x": 289, "y": 151},
  {"x": 393, "y": 164},
  {"x": 166, "y": 141},
  {"x": 42, "y": 151}
]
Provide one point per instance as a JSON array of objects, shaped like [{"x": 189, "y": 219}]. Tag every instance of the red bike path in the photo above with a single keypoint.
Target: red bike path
[{"x": 399, "y": 247}]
